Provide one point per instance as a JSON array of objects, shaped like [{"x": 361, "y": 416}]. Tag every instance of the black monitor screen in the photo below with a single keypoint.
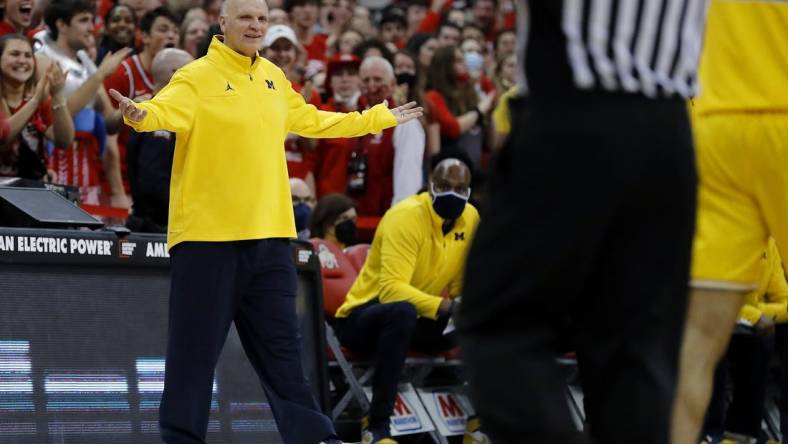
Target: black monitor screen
[
  {"x": 47, "y": 206},
  {"x": 82, "y": 359}
]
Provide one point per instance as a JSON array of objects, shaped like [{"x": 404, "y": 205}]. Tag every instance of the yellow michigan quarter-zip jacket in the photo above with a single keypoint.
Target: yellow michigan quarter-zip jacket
[
  {"x": 412, "y": 260},
  {"x": 231, "y": 116}
]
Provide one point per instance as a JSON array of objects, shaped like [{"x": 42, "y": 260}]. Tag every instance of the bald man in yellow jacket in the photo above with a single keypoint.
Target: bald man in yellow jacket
[{"x": 230, "y": 219}]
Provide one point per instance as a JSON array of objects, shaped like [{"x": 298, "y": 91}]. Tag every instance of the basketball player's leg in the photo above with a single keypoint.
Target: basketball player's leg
[
  {"x": 731, "y": 238},
  {"x": 711, "y": 317}
]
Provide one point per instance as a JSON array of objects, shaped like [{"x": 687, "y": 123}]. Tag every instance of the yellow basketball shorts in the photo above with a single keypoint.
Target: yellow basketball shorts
[{"x": 742, "y": 161}]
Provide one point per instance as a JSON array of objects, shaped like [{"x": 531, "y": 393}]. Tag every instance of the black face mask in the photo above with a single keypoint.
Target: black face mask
[
  {"x": 448, "y": 205},
  {"x": 406, "y": 78},
  {"x": 302, "y": 214},
  {"x": 346, "y": 232}
]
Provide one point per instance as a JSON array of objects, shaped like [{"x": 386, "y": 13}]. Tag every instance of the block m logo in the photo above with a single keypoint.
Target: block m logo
[
  {"x": 400, "y": 407},
  {"x": 270, "y": 84},
  {"x": 449, "y": 406}
]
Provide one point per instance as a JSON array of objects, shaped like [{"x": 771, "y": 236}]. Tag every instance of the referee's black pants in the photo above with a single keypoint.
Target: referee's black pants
[
  {"x": 253, "y": 284},
  {"x": 587, "y": 232}
]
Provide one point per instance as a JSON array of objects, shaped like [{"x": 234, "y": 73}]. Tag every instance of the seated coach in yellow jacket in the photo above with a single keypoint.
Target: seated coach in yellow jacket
[
  {"x": 230, "y": 219},
  {"x": 768, "y": 304},
  {"x": 417, "y": 257}
]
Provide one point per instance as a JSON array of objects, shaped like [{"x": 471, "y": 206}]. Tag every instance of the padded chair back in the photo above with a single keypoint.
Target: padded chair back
[
  {"x": 358, "y": 255},
  {"x": 338, "y": 274}
]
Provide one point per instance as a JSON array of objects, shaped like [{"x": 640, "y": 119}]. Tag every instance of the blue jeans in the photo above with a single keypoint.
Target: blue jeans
[{"x": 387, "y": 332}]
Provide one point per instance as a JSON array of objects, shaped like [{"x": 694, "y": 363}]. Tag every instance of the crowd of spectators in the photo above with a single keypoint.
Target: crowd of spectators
[
  {"x": 457, "y": 58},
  {"x": 59, "y": 59},
  {"x": 453, "y": 57}
]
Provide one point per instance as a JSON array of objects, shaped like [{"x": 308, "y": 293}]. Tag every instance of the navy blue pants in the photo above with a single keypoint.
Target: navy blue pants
[
  {"x": 387, "y": 332},
  {"x": 251, "y": 283},
  {"x": 746, "y": 362}
]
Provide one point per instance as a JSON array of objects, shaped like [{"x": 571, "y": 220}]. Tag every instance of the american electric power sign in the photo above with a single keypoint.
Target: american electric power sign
[{"x": 80, "y": 246}]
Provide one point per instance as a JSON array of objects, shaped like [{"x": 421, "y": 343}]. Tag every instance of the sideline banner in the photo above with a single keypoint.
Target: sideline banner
[
  {"x": 448, "y": 407},
  {"x": 75, "y": 247},
  {"x": 409, "y": 415}
]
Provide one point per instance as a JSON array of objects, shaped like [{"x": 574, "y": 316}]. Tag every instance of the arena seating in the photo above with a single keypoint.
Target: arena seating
[
  {"x": 338, "y": 275},
  {"x": 357, "y": 255}
]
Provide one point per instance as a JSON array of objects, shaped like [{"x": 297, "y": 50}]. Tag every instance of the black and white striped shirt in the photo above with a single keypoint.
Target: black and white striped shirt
[{"x": 651, "y": 47}]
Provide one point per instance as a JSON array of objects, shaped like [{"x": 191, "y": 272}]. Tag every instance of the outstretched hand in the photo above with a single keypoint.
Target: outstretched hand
[
  {"x": 127, "y": 107},
  {"x": 407, "y": 112}
]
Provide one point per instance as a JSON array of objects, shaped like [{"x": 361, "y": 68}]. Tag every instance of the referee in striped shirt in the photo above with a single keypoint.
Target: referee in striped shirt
[{"x": 587, "y": 232}]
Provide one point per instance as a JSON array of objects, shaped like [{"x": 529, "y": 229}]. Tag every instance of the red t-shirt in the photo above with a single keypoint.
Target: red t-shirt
[
  {"x": 378, "y": 149},
  {"x": 133, "y": 81},
  {"x": 316, "y": 49},
  {"x": 509, "y": 20},
  {"x": 432, "y": 20},
  {"x": 103, "y": 8},
  {"x": 3, "y": 126},
  {"x": 300, "y": 157},
  {"x": 439, "y": 112},
  {"x": 486, "y": 84},
  {"x": 32, "y": 33},
  {"x": 314, "y": 98},
  {"x": 80, "y": 165},
  {"x": 6, "y": 28},
  {"x": 332, "y": 159},
  {"x": 376, "y": 197},
  {"x": 34, "y": 135}
]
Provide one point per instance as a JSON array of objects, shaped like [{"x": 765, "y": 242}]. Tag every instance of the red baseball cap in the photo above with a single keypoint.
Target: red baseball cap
[{"x": 341, "y": 61}]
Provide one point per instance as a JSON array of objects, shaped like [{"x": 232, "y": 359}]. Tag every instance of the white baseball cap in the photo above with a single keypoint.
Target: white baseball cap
[{"x": 277, "y": 32}]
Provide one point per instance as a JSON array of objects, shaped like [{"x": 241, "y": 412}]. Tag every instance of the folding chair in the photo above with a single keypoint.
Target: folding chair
[
  {"x": 338, "y": 275},
  {"x": 339, "y": 270}
]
